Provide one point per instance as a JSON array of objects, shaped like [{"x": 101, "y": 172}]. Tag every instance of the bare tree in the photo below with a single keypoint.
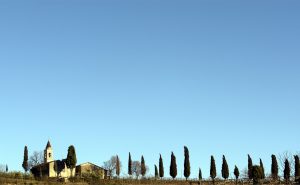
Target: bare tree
[
  {"x": 290, "y": 157},
  {"x": 111, "y": 165},
  {"x": 2, "y": 168},
  {"x": 36, "y": 158},
  {"x": 136, "y": 168},
  {"x": 244, "y": 173}
]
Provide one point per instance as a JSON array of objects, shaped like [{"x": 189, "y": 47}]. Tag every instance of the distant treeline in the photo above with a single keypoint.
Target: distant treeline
[{"x": 256, "y": 173}]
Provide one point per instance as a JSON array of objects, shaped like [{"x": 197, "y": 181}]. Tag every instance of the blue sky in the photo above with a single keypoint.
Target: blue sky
[{"x": 149, "y": 77}]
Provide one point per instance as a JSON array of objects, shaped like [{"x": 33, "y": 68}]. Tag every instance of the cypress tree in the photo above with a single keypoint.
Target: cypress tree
[
  {"x": 187, "y": 167},
  {"x": 173, "y": 166},
  {"x": 156, "y": 172},
  {"x": 161, "y": 167},
  {"x": 225, "y": 169},
  {"x": 129, "y": 165},
  {"x": 71, "y": 159},
  {"x": 6, "y": 169},
  {"x": 236, "y": 173},
  {"x": 274, "y": 168},
  {"x": 143, "y": 166},
  {"x": 118, "y": 166},
  {"x": 287, "y": 171},
  {"x": 25, "y": 160},
  {"x": 200, "y": 174},
  {"x": 297, "y": 168},
  {"x": 250, "y": 165},
  {"x": 262, "y": 169},
  {"x": 213, "y": 170}
]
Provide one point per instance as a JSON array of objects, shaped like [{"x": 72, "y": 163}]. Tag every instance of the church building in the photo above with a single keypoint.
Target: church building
[{"x": 51, "y": 168}]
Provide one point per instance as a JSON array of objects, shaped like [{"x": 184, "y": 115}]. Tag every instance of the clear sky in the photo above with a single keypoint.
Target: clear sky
[{"x": 148, "y": 77}]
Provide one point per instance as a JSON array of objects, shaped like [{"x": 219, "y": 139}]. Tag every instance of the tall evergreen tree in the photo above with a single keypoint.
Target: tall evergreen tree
[
  {"x": 71, "y": 159},
  {"x": 200, "y": 174},
  {"x": 129, "y": 165},
  {"x": 297, "y": 169},
  {"x": 287, "y": 171},
  {"x": 262, "y": 169},
  {"x": 225, "y": 169},
  {"x": 213, "y": 170},
  {"x": 173, "y": 166},
  {"x": 187, "y": 167},
  {"x": 118, "y": 166},
  {"x": 161, "y": 167},
  {"x": 6, "y": 168},
  {"x": 236, "y": 173},
  {"x": 155, "y": 172},
  {"x": 25, "y": 160},
  {"x": 143, "y": 166},
  {"x": 250, "y": 166},
  {"x": 274, "y": 168}
]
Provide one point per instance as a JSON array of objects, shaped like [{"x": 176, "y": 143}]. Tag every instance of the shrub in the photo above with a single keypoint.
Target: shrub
[
  {"x": 18, "y": 175},
  {"x": 257, "y": 174}
]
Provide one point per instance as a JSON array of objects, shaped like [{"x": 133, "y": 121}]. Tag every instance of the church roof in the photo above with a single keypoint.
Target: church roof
[
  {"x": 91, "y": 164},
  {"x": 48, "y": 145}
]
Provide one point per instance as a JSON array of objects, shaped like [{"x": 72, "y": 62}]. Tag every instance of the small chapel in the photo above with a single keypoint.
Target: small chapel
[{"x": 51, "y": 168}]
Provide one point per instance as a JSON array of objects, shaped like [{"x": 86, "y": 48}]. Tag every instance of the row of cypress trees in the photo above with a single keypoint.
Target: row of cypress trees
[
  {"x": 160, "y": 172},
  {"x": 255, "y": 172}
]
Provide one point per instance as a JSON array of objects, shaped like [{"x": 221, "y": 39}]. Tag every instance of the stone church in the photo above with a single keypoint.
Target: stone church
[{"x": 58, "y": 169}]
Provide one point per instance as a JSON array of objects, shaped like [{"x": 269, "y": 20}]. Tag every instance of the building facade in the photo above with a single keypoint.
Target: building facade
[{"x": 87, "y": 169}]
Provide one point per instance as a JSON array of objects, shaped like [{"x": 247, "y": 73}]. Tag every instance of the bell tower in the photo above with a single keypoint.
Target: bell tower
[{"x": 48, "y": 153}]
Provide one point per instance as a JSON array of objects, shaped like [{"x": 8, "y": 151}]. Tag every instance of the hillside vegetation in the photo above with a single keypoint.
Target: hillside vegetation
[{"x": 18, "y": 178}]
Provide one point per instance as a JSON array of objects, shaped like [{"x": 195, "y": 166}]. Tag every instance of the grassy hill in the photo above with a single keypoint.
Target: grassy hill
[{"x": 17, "y": 178}]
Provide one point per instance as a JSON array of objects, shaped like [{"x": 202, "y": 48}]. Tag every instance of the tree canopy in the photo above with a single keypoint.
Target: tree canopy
[
  {"x": 173, "y": 166},
  {"x": 262, "y": 169},
  {"x": 25, "y": 159},
  {"x": 71, "y": 158},
  {"x": 297, "y": 168},
  {"x": 213, "y": 170},
  {"x": 256, "y": 174},
  {"x": 143, "y": 166},
  {"x": 161, "y": 167},
  {"x": 225, "y": 168},
  {"x": 250, "y": 166},
  {"x": 200, "y": 174},
  {"x": 287, "y": 170},
  {"x": 187, "y": 166},
  {"x": 274, "y": 168},
  {"x": 155, "y": 171},
  {"x": 129, "y": 165},
  {"x": 236, "y": 172}
]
